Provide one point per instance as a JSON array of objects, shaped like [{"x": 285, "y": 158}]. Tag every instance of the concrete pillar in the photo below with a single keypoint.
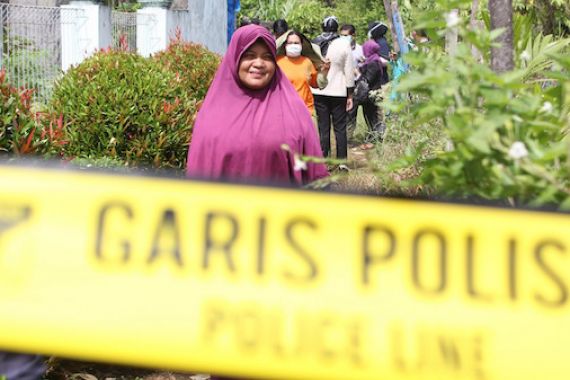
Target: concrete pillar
[
  {"x": 209, "y": 23},
  {"x": 156, "y": 26},
  {"x": 85, "y": 28}
]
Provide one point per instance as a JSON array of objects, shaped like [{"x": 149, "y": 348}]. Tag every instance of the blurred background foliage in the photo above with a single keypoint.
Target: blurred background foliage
[{"x": 545, "y": 16}]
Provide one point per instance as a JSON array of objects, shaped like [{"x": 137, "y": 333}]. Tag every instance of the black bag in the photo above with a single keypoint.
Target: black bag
[
  {"x": 324, "y": 43},
  {"x": 361, "y": 91}
]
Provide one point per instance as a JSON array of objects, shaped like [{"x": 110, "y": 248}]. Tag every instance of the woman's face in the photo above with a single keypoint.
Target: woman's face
[
  {"x": 293, "y": 39},
  {"x": 256, "y": 66}
]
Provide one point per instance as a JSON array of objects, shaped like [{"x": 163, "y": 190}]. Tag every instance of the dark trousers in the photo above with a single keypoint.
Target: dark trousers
[
  {"x": 351, "y": 123},
  {"x": 374, "y": 118},
  {"x": 335, "y": 107}
]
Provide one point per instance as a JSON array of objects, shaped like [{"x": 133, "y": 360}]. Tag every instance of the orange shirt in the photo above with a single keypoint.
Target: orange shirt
[{"x": 302, "y": 74}]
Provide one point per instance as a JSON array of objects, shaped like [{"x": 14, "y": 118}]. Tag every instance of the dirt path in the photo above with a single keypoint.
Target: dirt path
[{"x": 361, "y": 176}]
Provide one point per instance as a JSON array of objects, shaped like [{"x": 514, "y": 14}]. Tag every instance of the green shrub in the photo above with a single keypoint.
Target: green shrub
[
  {"x": 507, "y": 139},
  {"x": 123, "y": 107},
  {"x": 193, "y": 65},
  {"x": 17, "y": 121},
  {"x": 360, "y": 13},
  {"x": 109, "y": 164},
  {"x": 128, "y": 7},
  {"x": 306, "y": 16}
]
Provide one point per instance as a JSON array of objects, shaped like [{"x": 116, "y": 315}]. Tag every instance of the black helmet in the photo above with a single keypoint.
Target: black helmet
[
  {"x": 330, "y": 24},
  {"x": 377, "y": 29}
]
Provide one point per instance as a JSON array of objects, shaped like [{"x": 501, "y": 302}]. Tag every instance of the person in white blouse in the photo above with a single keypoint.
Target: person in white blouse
[
  {"x": 349, "y": 31},
  {"x": 335, "y": 100}
]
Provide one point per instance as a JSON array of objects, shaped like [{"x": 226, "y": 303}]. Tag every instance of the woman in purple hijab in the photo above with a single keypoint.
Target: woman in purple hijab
[
  {"x": 373, "y": 72},
  {"x": 253, "y": 125}
]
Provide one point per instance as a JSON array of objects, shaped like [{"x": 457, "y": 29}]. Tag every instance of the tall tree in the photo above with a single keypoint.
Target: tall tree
[
  {"x": 546, "y": 14},
  {"x": 475, "y": 24},
  {"x": 502, "y": 56},
  {"x": 452, "y": 35},
  {"x": 389, "y": 16}
]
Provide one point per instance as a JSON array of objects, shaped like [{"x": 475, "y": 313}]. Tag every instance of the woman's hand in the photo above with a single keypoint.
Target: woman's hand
[
  {"x": 349, "y": 103},
  {"x": 325, "y": 67}
]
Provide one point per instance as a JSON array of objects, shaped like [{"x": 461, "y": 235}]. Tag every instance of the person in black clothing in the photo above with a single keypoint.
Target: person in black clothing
[
  {"x": 373, "y": 72},
  {"x": 330, "y": 32},
  {"x": 377, "y": 32},
  {"x": 248, "y": 21},
  {"x": 280, "y": 27}
]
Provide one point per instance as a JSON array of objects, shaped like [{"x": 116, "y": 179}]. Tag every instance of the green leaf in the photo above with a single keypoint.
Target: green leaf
[
  {"x": 565, "y": 205},
  {"x": 546, "y": 196}
]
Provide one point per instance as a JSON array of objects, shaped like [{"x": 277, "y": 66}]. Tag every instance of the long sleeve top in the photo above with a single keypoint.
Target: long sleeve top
[
  {"x": 374, "y": 74},
  {"x": 357, "y": 55},
  {"x": 341, "y": 73},
  {"x": 384, "y": 47},
  {"x": 385, "y": 54}
]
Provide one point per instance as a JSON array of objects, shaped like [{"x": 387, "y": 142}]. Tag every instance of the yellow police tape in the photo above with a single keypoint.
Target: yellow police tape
[{"x": 274, "y": 283}]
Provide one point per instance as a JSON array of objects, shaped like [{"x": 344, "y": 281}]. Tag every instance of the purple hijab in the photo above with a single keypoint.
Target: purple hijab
[
  {"x": 239, "y": 132},
  {"x": 371, "y": 51}
]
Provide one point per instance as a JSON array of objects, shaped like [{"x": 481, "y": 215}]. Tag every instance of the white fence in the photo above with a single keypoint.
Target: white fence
[
  {"x": 39, "y": 42},
  {"x": 124, "y": 30},
  {"x": 31, "y": 47}
]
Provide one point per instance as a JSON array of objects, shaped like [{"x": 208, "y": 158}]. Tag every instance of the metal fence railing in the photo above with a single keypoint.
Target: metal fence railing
[
  {"x": 31, "y": 42},
  {"x": 30, "y": 51},
  {"x": 124, "y": 30}
]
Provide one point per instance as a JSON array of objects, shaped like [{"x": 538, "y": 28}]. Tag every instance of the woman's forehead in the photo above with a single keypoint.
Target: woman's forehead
[
  {"x": 259, "y": 46},
  {"x": 245, "y": 39},
  {"x": 293, "y": 37}
]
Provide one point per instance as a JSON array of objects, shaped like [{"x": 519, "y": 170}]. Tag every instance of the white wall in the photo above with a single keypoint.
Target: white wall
[
  {"x": 208, "y": 23},
  {"x": 85, "y": 28},
  {"x": 156, "y": 26}
]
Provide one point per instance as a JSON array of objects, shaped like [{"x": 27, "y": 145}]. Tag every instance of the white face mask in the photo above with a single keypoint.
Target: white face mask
[
  {"x": 293, "y": 50},
  {"x": 347, "y": 38}
]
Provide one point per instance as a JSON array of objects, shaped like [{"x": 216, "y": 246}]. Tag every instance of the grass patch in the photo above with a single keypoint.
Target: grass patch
[{"x": 394, "y": 165}]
